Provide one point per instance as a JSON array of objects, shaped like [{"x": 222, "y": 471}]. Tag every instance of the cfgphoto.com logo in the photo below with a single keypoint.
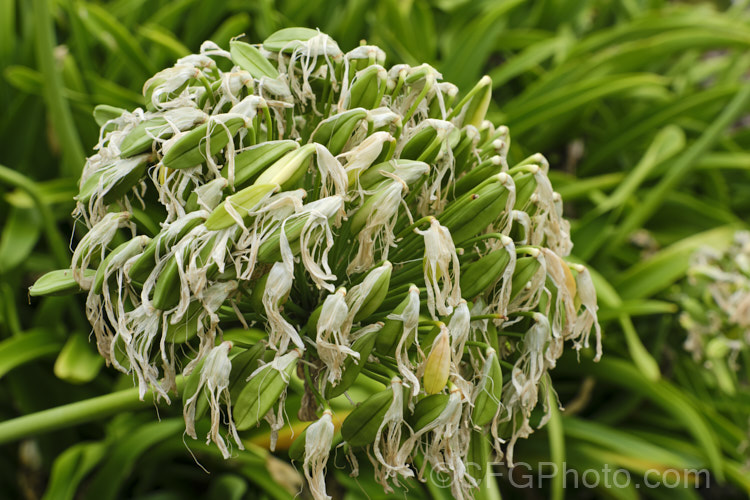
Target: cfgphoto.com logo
[{"x": 524, "y": 475}]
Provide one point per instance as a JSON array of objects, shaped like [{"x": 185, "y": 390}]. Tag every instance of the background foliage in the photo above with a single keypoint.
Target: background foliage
[{"x": 642, "y": 108}]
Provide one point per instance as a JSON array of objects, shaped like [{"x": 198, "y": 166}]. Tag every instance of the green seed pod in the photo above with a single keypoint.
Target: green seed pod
[
  {"x": 495, "y": 142},
  {"x": 490, "y": 386},
  {"x": 263, "y": 390},
  {"x": 368, "y": 88},
  {"x": 256, "y": 296},
  {"x": 478, "y": 174},
  {"x": 288, "y": 39},
  {"x": 187, "y": 328},
  {"x": 59, "y": 282},
  {"x": 415, "y": 147},
  {"x": 289, "y": 168},
  {"x": 167, "y": 288},
  {"x": 104, "y": 113},
  {"x": 427, "y": 410},
  {"x": 335, "y": 132},
  {"x": 375, "y": 286},
  {"x": 361, "y": 426},
  {"x": 479, "y": 455},
  {"x": 270, "y": 252},
  {"x": 478, "y": 276},
  {"x": 141, "y": 138},
  {"x": 243, "y": 365},
  {"x": 242, "y": 202},
  {"x": 463, "y": 152},
  {"x": 526, "y": 268},
  {"x": 525, "y": 187},
  {"x": 477, "y": 101},
  {"x": 470, "y": 214},
  {"x": 251, "y": 60},
  {"x": 190, "y": 149},
  {"x": 374, "y": 175},
  {"x": 252, "y": 161},
  {"x": 375, "y": 202}
]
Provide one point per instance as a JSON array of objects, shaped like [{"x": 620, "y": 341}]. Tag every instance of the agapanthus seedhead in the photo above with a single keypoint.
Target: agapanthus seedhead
[
  {"x": 715, "y": 300},
  {"x": 368, "y": 221}
]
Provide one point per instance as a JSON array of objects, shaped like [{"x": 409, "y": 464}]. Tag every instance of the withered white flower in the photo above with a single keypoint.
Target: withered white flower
[
  {"x": 364, "y": 155},
  {"x": 169, "y": 80},
  {"x": 278, "y": 286},
  {"x": 306, "y": 54},
  {"x": 214, "y": 377},
  {"x": 442, "y": 271},
  {"x": 333, "y": 177},
  {"x": 410, "y": 319},
  {"x": 332, "y": 340},
  {"x": 377, "y": 235},
  {"x": 564, "y": 316},
  {"x": 390, "y": 461},
  {"x": 588, "y": 318},
  {"x": 94, "y": 244},
  {"x": 318, "y": 441},
  {"x": 316, "y": 239},
  {"x": 459, "y": 328}
]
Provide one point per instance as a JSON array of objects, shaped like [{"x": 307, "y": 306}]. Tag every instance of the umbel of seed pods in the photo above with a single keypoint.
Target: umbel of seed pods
[
  {"x": 366, "y": 220},
  {"x": 716, "y": 309}
]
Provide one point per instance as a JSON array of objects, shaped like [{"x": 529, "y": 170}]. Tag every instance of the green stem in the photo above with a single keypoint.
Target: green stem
[
  {"x": 481, "y": 237},
  {"x": 270, "y": 129},
  {"x": 416, "y": 224},
  {"x": 57, "y": 245},
  {"x": 431, "y": 322},
  {"x": 422, "y": 94},
  {"x": 511, "y": 334},
  {"x": 77, "y": 413},
  {"x": 376, "y": 377},
  {"x": 475, "y": 343},
  {"x": 488, "y": 316},
  {"x": 386, "y": 361},
  {"x": 59, "y": 110},
  {"x": 528, "y": 249},
  {"x": 556, "y": 435},
  {"x": 207, "y": 85}
]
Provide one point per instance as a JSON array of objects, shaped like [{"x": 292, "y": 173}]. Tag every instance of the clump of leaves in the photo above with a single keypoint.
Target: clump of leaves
[{"x": 346, "y": 222}]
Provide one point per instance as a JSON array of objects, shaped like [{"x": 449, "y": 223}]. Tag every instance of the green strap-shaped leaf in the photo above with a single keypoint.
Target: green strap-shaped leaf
[
  {"x": 123, "y": 456},
  {"x": 32, "y": 345},
  {"x": 70, "y": 468}
]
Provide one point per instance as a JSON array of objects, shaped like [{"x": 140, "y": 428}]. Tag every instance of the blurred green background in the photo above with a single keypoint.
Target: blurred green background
[{"x": 642, "y": 108}]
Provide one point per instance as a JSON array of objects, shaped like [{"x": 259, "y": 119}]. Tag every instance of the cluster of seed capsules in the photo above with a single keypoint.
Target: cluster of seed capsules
[
  {"x": 349, "y": 223},
  {"x": 716, "y": 311}
]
